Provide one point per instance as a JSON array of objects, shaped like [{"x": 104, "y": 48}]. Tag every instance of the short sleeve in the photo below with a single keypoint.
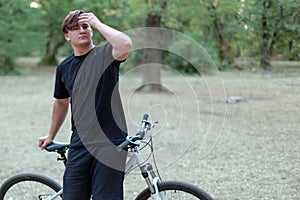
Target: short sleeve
[{"x": 60, "y": 91}]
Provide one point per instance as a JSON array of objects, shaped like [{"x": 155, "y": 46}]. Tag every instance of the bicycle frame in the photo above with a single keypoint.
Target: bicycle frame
[
  {"x": 59, "y": 193},
  {"x": 135, "y": 159}
]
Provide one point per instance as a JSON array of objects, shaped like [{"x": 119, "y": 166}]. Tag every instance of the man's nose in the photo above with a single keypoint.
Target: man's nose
[{"x": 81, "y": 29}]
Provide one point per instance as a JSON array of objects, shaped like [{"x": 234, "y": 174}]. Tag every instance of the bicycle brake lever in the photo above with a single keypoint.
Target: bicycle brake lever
[{"x": 154, "y": 123}]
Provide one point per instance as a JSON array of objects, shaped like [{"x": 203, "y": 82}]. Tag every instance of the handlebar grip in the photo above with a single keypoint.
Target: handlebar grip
[
  {"x": 123, "y": 145},
  {"x": 139, "y": 135},
  {"x": 145, "y": 117},
  {"x": 143, "y": 125}
]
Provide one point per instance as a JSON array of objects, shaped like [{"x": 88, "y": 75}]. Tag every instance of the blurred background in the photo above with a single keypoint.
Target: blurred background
[{"x": 236, "y": 34}]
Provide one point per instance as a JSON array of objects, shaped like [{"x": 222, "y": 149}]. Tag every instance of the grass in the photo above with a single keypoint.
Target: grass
[{"x": 256, "y": 152}]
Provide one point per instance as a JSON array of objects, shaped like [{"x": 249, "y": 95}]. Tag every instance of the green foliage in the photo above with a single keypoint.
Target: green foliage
[
  {"x": 35, "y": 31},
  {"x": 17, "y": 35},
  {"x": 188, "y": 56},
  {"x": 8, "y": 67},
  {"x": 282, "y": 25},
  {"x": 238, "y": 22}
]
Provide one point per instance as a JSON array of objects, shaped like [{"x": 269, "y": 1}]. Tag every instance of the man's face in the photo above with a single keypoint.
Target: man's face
[{"x": 80, "y": 34}]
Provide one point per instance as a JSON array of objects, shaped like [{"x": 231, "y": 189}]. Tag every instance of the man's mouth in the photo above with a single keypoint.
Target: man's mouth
[{"x": 83, "y": 37}]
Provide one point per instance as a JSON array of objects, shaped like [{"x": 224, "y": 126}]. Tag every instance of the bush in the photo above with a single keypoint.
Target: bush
[{"x": 8, "y": 67}]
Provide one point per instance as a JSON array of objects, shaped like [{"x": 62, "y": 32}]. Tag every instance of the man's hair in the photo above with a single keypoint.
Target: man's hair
[{"x": 71, "y": 20}]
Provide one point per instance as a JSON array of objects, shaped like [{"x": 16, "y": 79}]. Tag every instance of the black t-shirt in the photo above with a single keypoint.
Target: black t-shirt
[{"x": 92, "y": 77}]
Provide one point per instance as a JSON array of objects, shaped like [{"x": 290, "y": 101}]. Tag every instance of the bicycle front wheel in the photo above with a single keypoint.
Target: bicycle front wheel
[
  {"x": 176, "y": 190},
  {"x": 29, "y": 186}
]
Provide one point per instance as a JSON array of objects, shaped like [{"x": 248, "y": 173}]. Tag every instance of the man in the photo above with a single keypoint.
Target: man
[{"x": 91, "y": 169}]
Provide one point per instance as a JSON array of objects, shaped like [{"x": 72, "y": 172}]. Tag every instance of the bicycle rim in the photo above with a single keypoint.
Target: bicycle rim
[
  {"x": 29, "y": 186},
  {"x": 175, "y": 190}
]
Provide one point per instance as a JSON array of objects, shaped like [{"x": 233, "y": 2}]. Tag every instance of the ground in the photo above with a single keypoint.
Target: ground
[{"x": 247, "y": 149}]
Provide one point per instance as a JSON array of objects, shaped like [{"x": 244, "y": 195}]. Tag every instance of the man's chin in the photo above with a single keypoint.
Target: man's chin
[{"x": 84, "y": 42}]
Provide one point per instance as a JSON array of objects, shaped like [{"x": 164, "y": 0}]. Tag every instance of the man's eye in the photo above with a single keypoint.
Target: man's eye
[
  {"x": 75, "y": 28},
  {"x": 85, "y": 26}
]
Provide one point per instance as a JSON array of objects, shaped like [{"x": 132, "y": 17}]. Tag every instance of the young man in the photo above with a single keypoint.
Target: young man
[{"x": 88, "y": 79}]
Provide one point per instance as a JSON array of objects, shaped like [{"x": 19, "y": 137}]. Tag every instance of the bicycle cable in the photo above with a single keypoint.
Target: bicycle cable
[
  {"x": 148, "y": 143},
  {"x": 153, "y": 156}
]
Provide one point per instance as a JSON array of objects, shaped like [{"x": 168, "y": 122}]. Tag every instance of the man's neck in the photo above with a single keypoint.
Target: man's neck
[{"x": 81, "y": 50}]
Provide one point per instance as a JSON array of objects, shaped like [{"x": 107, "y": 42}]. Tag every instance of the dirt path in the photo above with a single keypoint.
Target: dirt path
[{"x": 257, "y": 154}]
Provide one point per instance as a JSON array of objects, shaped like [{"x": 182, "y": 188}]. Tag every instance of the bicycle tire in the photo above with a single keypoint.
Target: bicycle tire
[
  {"x": 177, "y": 190},
  {"x": 28, "y": 186}
]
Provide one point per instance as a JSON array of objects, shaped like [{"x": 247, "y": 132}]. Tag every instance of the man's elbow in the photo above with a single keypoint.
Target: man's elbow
[
  {"x": 62, "y": 102},
  {"x": 122, "y": 52},
  {"x": 127, "y": 44}
]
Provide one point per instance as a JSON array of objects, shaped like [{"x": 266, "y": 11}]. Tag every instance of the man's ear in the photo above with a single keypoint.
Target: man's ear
[{"x": 67, "y": 37}]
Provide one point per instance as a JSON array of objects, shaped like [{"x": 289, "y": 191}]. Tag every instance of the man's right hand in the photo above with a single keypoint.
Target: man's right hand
[{"x": 44, "y": 141}]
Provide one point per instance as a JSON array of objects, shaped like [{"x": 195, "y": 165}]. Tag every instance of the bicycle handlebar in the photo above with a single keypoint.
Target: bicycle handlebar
[
  {"x": 146, "y": 116},
  {"x": 146, "y": 125}
]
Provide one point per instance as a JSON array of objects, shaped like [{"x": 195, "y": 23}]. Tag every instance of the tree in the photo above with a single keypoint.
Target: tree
[
  {"x": 52, "y": 14},
  {"x": 148, "y": 13},
  {"x": 212, "y": 23},
  {"x": 275, "y": 26},
  {"x": 152, "y": 57},
  {"x": 16, "y": 33},
  {"x": 287, "y": 22},
  {"x": 176, "y": 15},
  {"x": 223, "y": 26}
]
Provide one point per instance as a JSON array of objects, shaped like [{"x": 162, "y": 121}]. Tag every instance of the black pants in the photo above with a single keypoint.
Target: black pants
[{"x": 95, "y": 172}]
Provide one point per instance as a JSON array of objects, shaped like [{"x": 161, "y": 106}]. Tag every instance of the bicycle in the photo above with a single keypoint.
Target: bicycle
[{"x": 39, "y": 187}]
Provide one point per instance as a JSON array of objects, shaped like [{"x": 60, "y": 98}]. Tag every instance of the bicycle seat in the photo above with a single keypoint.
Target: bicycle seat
[{"x": 57, "y": 146}]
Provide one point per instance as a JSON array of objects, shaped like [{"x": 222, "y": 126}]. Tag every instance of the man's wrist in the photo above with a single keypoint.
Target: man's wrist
[
  {"x": 99, "y": 26},
  {"x": 51, "y": 136}
]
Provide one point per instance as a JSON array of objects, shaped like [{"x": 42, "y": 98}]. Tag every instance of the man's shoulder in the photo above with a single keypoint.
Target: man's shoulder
[
  {"x": 103, "y": 47},
  {"x": 67, "y": 60}
]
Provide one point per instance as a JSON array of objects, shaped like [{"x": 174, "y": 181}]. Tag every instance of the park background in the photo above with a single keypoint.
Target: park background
[{"x": 253, "y": 47}]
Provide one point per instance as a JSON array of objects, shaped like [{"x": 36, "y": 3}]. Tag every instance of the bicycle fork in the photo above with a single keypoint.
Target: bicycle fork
[
  {"x": 146, "y": 168},
  {"x": 152, "y": 185}
]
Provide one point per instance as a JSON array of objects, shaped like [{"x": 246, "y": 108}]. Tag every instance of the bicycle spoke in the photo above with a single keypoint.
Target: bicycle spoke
[{"x": 28, "y": 190}]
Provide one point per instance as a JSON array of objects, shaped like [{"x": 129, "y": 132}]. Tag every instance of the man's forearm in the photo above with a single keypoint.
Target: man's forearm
[
  {"x": 120, "y": 42},
  {"x": 59, "y": 113}
]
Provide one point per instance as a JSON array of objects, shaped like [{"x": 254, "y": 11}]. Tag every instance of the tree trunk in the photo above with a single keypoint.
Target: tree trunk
[
  {"x": 8, "y": 66},
  {"x": 152, "y": 57},
  {"x": 49, "y": 58},
  {"x": 265, "y": 51},
  {"x": 224, "y": 49}
]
